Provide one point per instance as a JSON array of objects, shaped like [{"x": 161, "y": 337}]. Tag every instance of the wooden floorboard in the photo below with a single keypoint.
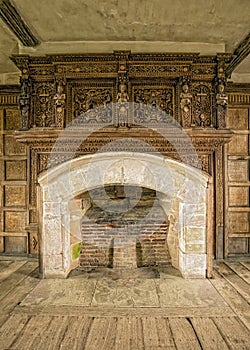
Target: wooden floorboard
[
  {"x": 183, "y": 334},
  {"x": 208, "y": 334},
  {"x": 11, "y": 330},
  {"x": 241, "y": 270},
  {"x": 238, "y": 304},
  {"x": 76, "y": 334},
  {"x": 102, "y": 333},
  {"x": 136, "y": 328},
  {"x": 10, "y": 267},
  {"x": 234, "y": 332},
  {"x": 16, "y": 277},
  {"x": 17, "y": 294},
  {"x": 237, "y": 282}
]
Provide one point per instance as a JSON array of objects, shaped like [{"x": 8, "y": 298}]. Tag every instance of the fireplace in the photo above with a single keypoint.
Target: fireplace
[
  {"x": 123, "y": 120},
  {"x": 181, "y": 211}
]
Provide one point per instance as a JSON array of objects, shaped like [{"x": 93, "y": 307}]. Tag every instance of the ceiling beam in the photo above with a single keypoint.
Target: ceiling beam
[
  {"x": 16, "y": 23},
  {"x": 240, "y": 53}
]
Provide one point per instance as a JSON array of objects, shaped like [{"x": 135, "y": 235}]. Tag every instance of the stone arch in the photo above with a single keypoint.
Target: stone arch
[{"x": 183, "y": 192}]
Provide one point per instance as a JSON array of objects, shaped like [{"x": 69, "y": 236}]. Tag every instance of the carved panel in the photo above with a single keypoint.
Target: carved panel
[
  {"x": 86, "y": 100},
  {"x": 12, "y": 147},
  {"x": 238, "y": 170},
  {"x": 12, "y": 119},
  {"x": 44, "y": 104},
  {"x": 14, "y": 195},
  {"x": 158, "y": 99},
  {"x": 237, "y": 118},
  {"x": 15, "y": 169},
  {"x": 238, "y": 145},
  {"x": 202, "y": 105},
  {"x": 14, "y": 221},
  {"x": 238, "y": 196}
]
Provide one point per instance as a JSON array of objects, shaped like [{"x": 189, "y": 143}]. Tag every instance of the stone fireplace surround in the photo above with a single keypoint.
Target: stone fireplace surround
[{"x": 183, "y": 192}]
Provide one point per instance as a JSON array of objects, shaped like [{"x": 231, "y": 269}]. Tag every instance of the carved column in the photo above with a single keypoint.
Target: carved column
[
  {"x": 59, "y": 105},
  {"x": 186, "y": 104},
  {"x": 122, "y": 115},
  {"x": 24, "y": 103}
]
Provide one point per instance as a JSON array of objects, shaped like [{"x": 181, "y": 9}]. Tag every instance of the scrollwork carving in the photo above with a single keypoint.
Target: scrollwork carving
[
  {"x": 159, "y": 103},
  {"x": 87, "y": 102}
]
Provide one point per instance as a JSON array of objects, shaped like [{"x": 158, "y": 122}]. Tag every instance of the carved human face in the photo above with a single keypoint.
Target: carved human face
[
  {"x": 185, "y": 88},
  {"x": 123, "y": 88}
]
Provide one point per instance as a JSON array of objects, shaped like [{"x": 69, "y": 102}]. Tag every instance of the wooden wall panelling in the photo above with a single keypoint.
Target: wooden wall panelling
[
  {"x": 237, "y": 174},
  {"x": 13, "y": 176}
]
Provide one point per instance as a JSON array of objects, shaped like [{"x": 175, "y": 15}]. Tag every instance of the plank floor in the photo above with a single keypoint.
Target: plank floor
[{"x": 120, "y": 328}]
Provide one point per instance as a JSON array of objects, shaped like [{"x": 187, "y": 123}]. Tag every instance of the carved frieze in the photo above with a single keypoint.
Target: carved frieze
[
  {"x": 89, "y": 68},
  {"x": 145, "y": 70}
]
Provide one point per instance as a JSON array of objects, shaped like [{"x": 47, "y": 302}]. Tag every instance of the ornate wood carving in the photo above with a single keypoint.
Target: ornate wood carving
[
  {"x": 43, "y": 107},
  {"x": 101, "y": 97},
  {"x": 86, "y": 102},
  {"x": 157, "y": 99},
  {"x": 202, "y": 105}
]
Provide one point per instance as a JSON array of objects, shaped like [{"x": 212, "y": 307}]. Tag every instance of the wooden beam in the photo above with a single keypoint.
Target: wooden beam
[{"x": 16, "y": 23}]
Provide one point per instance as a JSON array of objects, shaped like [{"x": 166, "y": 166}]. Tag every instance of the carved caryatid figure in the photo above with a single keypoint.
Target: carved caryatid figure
[
  {"x": 59, "y": 100},
  {"x": 24, "y": 105},
  {"x": 221, "y": 102},
  {"x": 186, "y": 103},
  {"x": 122, "y": 99}
]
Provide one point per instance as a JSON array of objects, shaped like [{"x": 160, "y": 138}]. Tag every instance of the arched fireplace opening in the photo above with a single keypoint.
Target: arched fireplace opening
[
  {"x": 182, "y": 193},
  {"x": 123, "y": 227}
]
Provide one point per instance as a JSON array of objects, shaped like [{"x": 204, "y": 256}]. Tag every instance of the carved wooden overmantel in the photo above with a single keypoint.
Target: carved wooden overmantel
[{"x": 175, "y": 104}]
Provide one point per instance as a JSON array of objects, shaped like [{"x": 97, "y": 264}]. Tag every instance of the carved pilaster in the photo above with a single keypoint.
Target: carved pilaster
[
  {"x": 186, "y": 103},
  {"x": 59, "y": 105},
  {"x": 202, "y": 104},
  {"x": 24, "y": 103},
  {"x": 43, "y": 104}
]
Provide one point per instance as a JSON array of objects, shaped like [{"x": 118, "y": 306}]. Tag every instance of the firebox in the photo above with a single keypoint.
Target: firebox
[{"x": 95, "y": 210}]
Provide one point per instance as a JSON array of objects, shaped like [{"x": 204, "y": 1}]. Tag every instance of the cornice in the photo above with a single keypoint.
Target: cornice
[
  {"x": 16, "y": 23},
  {"x": 240, "y": 53}
]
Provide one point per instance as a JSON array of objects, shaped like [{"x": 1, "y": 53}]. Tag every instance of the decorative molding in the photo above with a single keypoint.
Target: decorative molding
[
  {"x": 17, "y": 25},
  {"x": 9, "y": 94},
  {"x": 241, "y": 52}
]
